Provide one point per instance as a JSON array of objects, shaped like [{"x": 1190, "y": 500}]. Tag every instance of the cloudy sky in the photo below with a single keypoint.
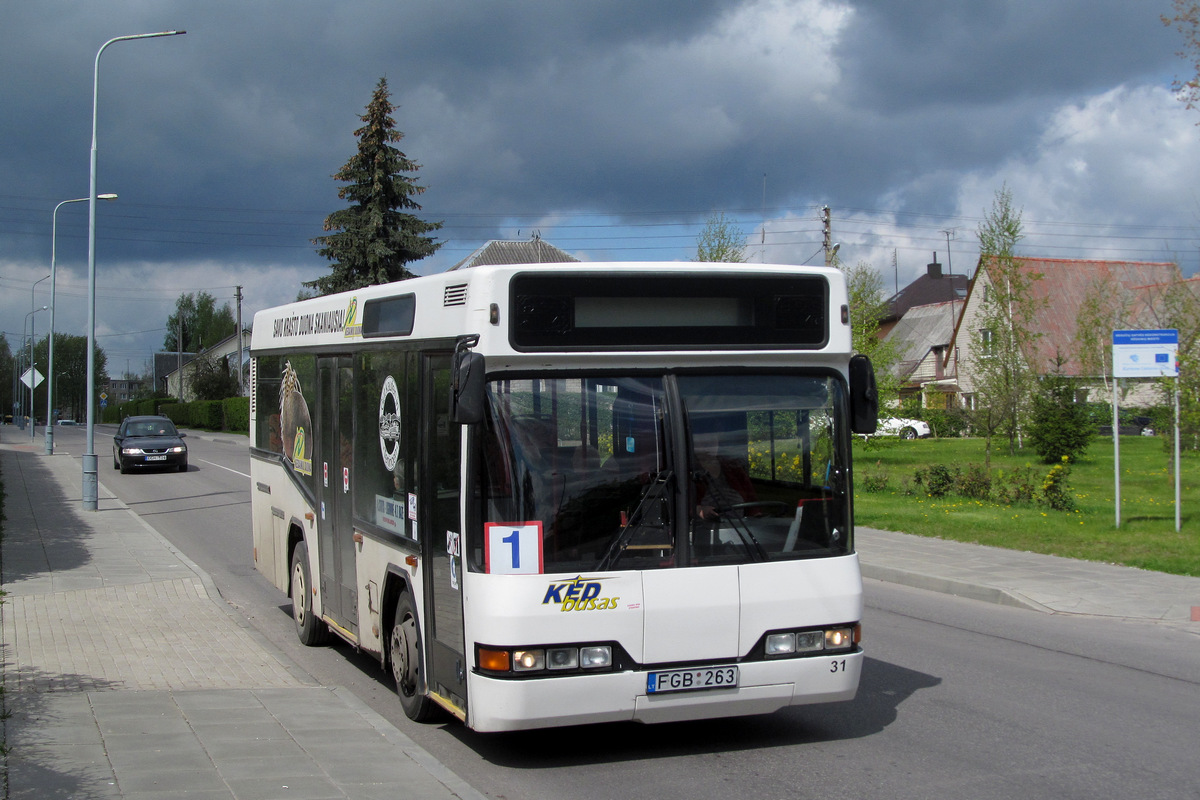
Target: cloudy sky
[{"x": 613, "y": 128}]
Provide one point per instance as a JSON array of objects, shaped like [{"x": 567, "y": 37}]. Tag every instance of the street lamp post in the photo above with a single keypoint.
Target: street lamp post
[
  {"x": 50, "y": 360},
  {"x": 91, "y": 484}
]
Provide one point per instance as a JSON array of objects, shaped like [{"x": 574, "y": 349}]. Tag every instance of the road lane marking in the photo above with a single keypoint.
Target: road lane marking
[{"x": 222, "y": 466}]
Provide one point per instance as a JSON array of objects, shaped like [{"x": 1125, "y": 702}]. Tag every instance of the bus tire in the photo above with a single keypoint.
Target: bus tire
[
  {"x": 311, "y": 630},
  {"x": 404, "y": 654}
]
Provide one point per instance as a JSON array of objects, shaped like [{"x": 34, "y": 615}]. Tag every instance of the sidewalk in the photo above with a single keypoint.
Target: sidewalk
[
  {"x": 1030, "y": 580},
  {"x": 126, "y": 675}
]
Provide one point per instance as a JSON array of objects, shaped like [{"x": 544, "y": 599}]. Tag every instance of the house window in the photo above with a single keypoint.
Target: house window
[{"x": 987, "y": 342}]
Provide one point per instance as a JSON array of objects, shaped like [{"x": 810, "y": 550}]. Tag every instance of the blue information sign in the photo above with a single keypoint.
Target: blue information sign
[{"x": 1145, "y": 354}]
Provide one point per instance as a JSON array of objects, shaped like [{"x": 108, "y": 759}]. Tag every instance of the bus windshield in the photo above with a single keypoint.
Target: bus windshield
[{"x": 668, "y": 471}]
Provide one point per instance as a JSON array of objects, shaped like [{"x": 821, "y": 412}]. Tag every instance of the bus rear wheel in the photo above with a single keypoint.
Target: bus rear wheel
[
  {"x": 311, "y": 630},
  {"x": 404, "y": 653}
]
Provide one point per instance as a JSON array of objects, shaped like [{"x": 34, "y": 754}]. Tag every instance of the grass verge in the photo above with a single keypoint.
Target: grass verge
[{"x": 1146, "y": 537}]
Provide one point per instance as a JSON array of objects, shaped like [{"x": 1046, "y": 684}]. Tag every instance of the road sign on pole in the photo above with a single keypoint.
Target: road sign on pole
[
  {"x": 32, "y": 378},
  {"x": 1144, "y": 354}
]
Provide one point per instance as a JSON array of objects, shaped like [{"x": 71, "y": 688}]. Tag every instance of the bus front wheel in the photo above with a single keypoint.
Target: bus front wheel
[
  {"x": 404, "y": 653},
  {"x": 311, "y": 630}
]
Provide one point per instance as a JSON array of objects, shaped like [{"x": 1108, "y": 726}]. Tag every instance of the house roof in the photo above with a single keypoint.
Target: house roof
[
  {"x": 921, "y": 329},
  {"x": 925, "y": 290},
  {"x": 532, "y": 251},
  {"x": 1063, "y": 284}
]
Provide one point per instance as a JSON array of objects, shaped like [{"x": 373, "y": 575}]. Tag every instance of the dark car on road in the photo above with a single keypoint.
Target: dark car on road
[{"x": 149, "y": 442}]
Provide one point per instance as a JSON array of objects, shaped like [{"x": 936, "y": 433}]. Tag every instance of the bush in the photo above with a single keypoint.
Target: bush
[
  {"x": 237, "y": 413},
  {"x": 873, "y": 480},
  {"x": 943, "y": 422},
  {"x": 946, "y": 423},
  {"x": 937, "y": 480},
  {"x": 975, "y": 483},
  {"x": 208, "y": 414},
  {"x": 1054, "y": 487},
  {"x": 177, "y": 413},
  {"x": 1016, "y": 486}
]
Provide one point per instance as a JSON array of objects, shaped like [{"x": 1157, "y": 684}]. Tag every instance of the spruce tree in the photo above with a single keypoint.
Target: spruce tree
[
  {"x": 1059, "y": 427},
  {"x": 376, "y": 237}
]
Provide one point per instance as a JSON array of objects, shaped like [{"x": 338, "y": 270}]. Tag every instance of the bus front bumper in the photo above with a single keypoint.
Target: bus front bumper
[{"x": 763, "y": 687}]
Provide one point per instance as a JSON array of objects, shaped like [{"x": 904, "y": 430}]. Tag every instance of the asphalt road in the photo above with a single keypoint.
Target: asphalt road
[{"x": 958, "y": 698}]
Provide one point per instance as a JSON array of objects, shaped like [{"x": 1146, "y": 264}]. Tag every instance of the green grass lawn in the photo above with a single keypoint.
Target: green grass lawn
[{"x": 1146, "y": 537}]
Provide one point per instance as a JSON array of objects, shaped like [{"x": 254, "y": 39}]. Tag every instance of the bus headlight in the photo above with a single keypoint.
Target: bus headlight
[
  {"x": 598, "y": 657},
  {"x": 562, "y": 658},
  {"x": 795, "y": 642},
  {"x": 839, "y": 638},
  {"x": 528, "y": 660},
  {"x": 555, "y": 658},
  {"x": 783, "y": 644}
]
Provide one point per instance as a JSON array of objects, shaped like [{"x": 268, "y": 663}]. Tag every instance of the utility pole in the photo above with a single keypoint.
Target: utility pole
[
  {"x": 826, "y": 235},
  {"x": 179, "y": 357},
  {"x": 241, "y": 385}
]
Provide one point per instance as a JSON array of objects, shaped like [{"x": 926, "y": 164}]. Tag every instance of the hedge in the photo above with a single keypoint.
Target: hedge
[{"x": 231, "y": 414}]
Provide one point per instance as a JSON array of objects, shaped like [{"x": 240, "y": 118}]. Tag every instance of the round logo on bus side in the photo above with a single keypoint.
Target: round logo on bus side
[{"x": 389, "y": 423}]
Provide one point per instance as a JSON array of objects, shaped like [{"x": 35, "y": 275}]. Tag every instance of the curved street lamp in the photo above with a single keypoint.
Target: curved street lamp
[
  {"x": 91, "y": 481},
  {"x": 50, "y": 347}
]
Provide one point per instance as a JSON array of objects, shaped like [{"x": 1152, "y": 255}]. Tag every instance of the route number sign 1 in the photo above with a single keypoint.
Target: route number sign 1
[{"x": 513, "y": 548}]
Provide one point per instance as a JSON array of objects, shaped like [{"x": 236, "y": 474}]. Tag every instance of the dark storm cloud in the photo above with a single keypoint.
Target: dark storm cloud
[
  {"x": 222, "y": 142},
  {"x": 941, "y": 51},
  {"x": 256, "y": 106}
]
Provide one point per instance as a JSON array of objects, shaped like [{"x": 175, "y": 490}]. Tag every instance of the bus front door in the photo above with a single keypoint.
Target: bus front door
[
  {"x": 335, "y": 531},
  {"x": 441, "y": 535}
]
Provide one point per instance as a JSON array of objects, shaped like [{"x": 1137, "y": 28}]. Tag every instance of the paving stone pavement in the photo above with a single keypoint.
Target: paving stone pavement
[{"x": 126, "y": 676}]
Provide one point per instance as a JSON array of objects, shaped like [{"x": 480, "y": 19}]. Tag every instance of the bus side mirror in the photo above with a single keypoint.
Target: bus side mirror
[
  {"x": 864, "y": 396},
  {"x": 467, "y": 388}
]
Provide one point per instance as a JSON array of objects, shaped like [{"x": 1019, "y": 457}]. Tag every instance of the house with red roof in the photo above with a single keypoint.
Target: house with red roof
[{"x": 1060, "y": 288}]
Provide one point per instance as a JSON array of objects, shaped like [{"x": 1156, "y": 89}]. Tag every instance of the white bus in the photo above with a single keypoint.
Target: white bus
[{"x": 549, "y": 495}]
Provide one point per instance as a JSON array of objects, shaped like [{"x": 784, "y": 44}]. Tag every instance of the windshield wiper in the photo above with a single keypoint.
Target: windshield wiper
[
  {"x": 738, "y": 523},
  {"x": 654, "y": 494}
]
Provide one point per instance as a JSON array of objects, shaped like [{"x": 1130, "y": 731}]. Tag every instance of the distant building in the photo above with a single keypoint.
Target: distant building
[
  {"x": 920, "y": 322},
  {"x": 122, "y": 390},
  {"x": 164, "y": 365},
  {"x": 934, "y": 286},
  {"x": 922, "y": 337},
  {"x": 1060, "y": 285},
  {"x": 533, "y": 251},
  {"x": 226, "y": 348}
]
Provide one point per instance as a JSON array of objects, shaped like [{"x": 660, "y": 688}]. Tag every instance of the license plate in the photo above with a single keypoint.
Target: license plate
[
  {"x": 686, "y": 680},
  {"x": 156, "y": 458}
]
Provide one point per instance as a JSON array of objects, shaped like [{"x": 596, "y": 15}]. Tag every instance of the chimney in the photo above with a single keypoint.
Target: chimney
[{"x": 934, "y": 269}]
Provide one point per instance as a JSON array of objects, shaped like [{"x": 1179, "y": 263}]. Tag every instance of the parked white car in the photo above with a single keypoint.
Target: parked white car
[{"x": 904, "y": 428}]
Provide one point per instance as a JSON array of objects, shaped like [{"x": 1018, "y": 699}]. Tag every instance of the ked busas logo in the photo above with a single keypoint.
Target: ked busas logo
[{"x": 580, "y": 594}]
